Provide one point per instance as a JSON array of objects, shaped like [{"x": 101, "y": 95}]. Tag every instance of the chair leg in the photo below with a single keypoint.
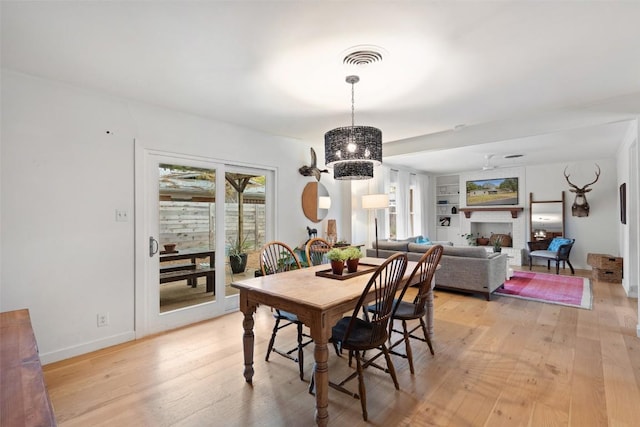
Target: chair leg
[
  {"x": 361, "y": 390},
  {"x": 272, "y": 340},
  {"x": 426, "y": 335},
  {"x": 557, "y": 267},
  {"x": 300, "y": 352},
  {"x": 548, "y": 264},
  {"x": 407, "y": 346},
  {"x": 392, "y": 370},
  {"x": 530, "y": 263},
  {"x": 312, "y": 381},
  {"x": 571, "y": 267}
]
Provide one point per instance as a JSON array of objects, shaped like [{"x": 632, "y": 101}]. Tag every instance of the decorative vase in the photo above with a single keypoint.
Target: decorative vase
[
  {"x": 352, "y": 265},
  {"x": 454, "y": 210},
  {"x": 337, "y": 267},
  {"x": 482, "y": 241}
]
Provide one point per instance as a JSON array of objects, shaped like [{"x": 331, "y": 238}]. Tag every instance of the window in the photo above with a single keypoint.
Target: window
[{"x": 393, "y": 204}]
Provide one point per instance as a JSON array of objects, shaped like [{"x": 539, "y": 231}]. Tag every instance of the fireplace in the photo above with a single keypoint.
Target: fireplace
[
  {"x": 486, "y": 229},
  {"x": 483, "y": 223}
]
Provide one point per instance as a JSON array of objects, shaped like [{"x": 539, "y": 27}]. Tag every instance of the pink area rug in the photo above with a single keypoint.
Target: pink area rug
[{"x": 551, "y": 288}]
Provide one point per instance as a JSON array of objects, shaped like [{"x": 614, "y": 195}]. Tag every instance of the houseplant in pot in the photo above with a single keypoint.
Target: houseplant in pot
[
  {"x": 352, "y": 255},
  {"x": 238, "y": 255},
  {"x": 336, "y": 256},
  {"x": 497, "y": 244}
]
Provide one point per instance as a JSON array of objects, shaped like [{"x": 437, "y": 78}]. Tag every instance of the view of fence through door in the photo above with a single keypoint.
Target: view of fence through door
[
  {"x": 245, "y": 225},
  {"x": 187, "y": 236}
]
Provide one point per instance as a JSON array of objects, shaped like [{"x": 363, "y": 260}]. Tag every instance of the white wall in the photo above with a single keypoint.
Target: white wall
[
  {"x": 596, "y": 233},
  {"x": 63, "y": 255},
  {"x": 627, "y": 173}
]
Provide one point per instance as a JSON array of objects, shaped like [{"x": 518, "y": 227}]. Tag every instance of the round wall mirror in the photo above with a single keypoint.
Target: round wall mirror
[{"x": 315, "y": 201}]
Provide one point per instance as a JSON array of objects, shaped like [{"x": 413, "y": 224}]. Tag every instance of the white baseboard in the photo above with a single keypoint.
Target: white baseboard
[{"x": 66, "y": 353}]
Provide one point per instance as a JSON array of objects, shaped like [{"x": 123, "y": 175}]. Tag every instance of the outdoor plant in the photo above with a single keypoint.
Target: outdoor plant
[
  {"x": 238, "y": 247},
  {"x": 238, "y": 254}
]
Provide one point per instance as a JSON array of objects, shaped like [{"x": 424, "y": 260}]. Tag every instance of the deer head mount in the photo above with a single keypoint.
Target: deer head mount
[{"x": 580, "y": 205}]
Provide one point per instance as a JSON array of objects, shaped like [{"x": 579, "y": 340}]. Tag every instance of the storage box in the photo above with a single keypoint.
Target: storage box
[
  {"x": 604, "y": 262},
  {"x": 603, "y": 275}
]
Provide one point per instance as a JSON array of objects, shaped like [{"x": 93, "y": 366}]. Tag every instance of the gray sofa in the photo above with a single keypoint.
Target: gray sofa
[{"x": 464, "y": 268}]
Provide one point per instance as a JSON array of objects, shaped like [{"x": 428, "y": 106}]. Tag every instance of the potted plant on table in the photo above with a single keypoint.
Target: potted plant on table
[
  {"x": 238, "y": 255},
  {"x": 336, "y": 256},
  {"x": 352, "y": 255}
]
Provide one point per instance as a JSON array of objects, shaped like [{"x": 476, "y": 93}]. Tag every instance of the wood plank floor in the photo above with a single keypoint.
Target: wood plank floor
[{"x": 507, "y": 362}]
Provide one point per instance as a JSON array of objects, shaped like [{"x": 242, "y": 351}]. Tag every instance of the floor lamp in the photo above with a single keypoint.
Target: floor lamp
[{"x": 374, "y": 202}]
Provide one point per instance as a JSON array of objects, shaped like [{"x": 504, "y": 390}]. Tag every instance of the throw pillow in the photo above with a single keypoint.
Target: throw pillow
[
  {"x": 557, "y": 242},
  {"x": 423, "y": 240}
]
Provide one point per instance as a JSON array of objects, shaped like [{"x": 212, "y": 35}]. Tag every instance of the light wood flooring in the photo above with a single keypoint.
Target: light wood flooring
[{"x": 506, "y": 362}]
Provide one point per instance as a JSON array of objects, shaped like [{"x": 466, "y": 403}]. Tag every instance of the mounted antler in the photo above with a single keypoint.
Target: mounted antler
[{"x": 580, "y": 205}]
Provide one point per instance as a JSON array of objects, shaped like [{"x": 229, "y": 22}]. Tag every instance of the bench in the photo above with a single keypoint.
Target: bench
[{"x": 190, "y": 273}]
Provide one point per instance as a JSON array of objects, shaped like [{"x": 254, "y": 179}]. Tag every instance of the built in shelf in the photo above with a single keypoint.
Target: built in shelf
[{"x": 514, "y": 211}]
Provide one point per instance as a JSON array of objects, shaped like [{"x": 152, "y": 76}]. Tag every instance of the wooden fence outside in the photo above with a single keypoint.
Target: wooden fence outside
[{"x": 192, "y": 224}]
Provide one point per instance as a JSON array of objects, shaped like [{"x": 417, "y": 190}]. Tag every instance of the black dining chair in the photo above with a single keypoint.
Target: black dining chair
[
  {"x": 277, "y": 257},
  {"x": 404, "y": 311},
  {"x": 359, "y": 335}
]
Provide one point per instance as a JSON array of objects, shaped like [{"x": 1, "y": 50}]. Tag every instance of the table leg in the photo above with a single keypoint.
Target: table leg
[
  {"x": 247, "y": 340},
  {"x": 321, "y": 373},
  {"x": 429, "y": 314}
]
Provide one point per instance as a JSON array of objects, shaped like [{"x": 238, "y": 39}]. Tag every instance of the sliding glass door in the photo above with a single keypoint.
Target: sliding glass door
[{"x": 199, "y": 226}]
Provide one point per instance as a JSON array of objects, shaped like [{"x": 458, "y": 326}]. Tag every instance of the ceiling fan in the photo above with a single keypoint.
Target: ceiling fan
[
  {"x": 490, "y": 166},
  {"x": 487, "y": 163}
]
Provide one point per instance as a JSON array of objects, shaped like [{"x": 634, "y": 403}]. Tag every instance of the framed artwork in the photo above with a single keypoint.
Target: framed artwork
[
  {"x": 623, "y": 203},
  {"x": 491, "y": 192}
]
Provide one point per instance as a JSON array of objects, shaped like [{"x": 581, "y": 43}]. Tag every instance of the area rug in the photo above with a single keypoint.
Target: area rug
[{"x": 550, "y": 288}]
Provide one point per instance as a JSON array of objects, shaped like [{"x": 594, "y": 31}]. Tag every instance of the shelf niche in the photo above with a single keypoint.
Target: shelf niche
[{"x": 514, "y": 211}]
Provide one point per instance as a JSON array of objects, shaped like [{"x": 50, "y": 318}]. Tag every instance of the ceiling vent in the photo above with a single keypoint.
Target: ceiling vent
[{"x": 362, "y": 55}]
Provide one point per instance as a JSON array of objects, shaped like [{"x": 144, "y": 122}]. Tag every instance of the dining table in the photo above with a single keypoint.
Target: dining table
[{"x": 319, "y": 302}]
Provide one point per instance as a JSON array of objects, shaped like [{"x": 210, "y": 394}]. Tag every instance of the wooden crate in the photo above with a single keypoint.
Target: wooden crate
[
  {"x": 603, "y": 275},
  {"x": 605, "y": 262}
]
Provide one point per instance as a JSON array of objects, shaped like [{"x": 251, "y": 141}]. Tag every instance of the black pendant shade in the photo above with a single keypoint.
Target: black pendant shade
[{"x": 353, "y": 151}]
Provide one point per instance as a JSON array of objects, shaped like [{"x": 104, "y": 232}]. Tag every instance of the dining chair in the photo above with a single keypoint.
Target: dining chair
[
  {"x": 277, "y": 257},
  {"x": 359, "y": 335},
  {"x": 316, "y": 251},
  {"x": 422, "y": 275}
]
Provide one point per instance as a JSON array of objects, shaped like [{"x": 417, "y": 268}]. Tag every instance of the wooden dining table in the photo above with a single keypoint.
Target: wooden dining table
[{"x": 319, "y": 302}]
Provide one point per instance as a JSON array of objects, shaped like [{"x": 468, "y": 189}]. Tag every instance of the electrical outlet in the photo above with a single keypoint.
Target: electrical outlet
[
  {"x": 122, "y": 216},
  {"x": 103, "y": 319}
]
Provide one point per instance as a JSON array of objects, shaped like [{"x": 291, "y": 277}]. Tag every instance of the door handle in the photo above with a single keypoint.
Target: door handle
[{"x": 153, "y": 246}]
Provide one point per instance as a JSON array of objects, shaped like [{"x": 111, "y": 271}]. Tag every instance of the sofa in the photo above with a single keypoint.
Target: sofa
[{"x": 462, "y": 268}]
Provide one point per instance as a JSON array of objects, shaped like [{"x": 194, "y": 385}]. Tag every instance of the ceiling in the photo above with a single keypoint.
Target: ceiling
[{"x": 555, "y": 81}]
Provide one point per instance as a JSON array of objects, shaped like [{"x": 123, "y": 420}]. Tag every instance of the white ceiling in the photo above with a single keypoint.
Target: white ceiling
[{"x": 551, "y": 80}]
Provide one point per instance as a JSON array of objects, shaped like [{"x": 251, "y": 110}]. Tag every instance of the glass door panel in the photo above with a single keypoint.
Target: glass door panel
[
  {"x": 245, "y": 224},
  {"x": 187, "y": 231}
]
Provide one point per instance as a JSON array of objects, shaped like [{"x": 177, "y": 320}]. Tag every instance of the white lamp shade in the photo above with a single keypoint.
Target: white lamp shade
[
  {"x": 324, "y": 202},
  {"x": 375, "y": 201}
]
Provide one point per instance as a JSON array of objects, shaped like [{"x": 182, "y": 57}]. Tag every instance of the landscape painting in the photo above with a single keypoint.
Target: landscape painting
[{"x": 490, "y": 192}]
